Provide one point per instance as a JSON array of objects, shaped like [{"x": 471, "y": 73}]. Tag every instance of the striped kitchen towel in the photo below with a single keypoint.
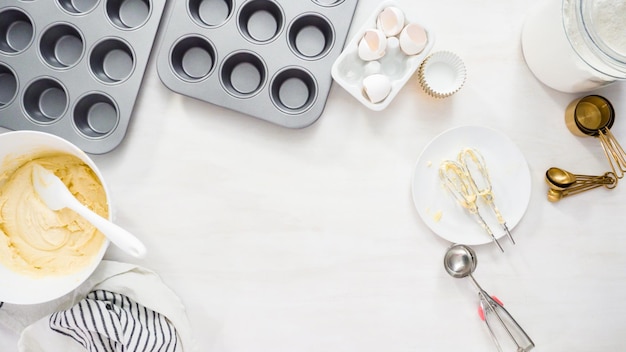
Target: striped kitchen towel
[
  {"x": 121, "y": 307},
  {"x": 110, "y": 322}
]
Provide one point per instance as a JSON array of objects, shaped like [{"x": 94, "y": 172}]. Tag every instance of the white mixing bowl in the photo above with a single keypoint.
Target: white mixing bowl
[{"x": 19, "y": 288}]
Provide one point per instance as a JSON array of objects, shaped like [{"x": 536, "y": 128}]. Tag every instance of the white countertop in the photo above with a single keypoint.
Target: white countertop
[{"x": 308, "y": 240}]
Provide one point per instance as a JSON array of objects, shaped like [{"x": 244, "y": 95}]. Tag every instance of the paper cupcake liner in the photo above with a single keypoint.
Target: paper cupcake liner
[{"x": 442, "y": 74}]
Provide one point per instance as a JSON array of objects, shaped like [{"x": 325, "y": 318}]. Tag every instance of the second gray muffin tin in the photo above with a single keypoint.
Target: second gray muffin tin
[
  {"x": 74, "y": 67},
  {"x": 264, "y": 58}
]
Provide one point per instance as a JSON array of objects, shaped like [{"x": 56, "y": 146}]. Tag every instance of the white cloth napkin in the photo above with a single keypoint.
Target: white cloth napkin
[{"x": 121, "y": 307}]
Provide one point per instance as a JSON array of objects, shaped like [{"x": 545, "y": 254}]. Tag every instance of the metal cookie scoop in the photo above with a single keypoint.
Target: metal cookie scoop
[
  {"x": 460, "y": 261},
  {"x": 56, "y": 196}
]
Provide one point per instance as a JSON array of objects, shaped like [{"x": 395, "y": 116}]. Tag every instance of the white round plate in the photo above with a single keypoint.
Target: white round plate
[{"x": 510, "y": 180}]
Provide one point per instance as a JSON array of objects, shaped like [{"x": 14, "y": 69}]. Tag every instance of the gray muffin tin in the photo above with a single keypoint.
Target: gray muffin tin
[
  {"x": 266, "y": 58},
  {"x": 73, "y": 68}
]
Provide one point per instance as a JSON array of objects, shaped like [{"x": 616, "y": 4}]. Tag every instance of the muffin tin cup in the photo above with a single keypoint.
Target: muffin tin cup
[
  {"x": 268, "y": 59},
  {"x": 8, "y": 85},
  {"x": 61, "y": 45},
  {"x": 45, "y": 100},
  {"x": 193, "y": 58},
  {"x": 73, "y": 68},
  {"x": 243, "y": 74},
  {"x": 77, "y": 7},
  {"x": 210, "y": 13},
  {"x": 293, "y": 90},
  {"x": 128, "y": 14},
  {"x": 16, "y": 30},
  {"x": 311, "y": 36}
]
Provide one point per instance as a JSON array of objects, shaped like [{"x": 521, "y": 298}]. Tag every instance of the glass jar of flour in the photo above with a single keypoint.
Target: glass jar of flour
[{"x": 576, "y": 45}]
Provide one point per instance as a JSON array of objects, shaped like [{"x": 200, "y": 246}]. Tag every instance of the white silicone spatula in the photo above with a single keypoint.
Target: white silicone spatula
[{"x": 56, "y": 196}]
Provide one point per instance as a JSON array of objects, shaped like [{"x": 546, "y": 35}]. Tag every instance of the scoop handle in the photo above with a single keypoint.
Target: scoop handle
[
  {"x": 117, "y": 235},
  {"x": 494, "y": 312}
]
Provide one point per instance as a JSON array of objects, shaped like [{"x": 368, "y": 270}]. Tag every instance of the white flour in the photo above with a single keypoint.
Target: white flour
[
  {"x": 552, "y": 58},
  {"x": 609, "y": 19}
]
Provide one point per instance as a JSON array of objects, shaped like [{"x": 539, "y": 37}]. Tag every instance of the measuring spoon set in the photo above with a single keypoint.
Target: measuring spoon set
[{"x": 589, "y": 116}]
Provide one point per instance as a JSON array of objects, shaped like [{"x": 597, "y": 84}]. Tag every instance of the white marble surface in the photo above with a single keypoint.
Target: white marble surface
[{"x": 308, "y": 240}]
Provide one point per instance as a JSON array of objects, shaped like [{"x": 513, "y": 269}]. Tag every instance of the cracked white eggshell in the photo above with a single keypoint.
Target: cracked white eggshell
[
  {"x": 390, "y": 20},
  {"x": 376, "y": 87},
  {"x": 372, "y": 45},
  {"x": 349, "y": 69},
  {"x": 413, "y": 39}
]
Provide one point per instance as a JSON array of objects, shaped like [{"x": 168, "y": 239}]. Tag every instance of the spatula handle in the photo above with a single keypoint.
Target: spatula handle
[{"x": 117, "y": 235}]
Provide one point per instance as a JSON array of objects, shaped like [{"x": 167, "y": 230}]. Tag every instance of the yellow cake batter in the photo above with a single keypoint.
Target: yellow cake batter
[{"x": 38, "y": 241}]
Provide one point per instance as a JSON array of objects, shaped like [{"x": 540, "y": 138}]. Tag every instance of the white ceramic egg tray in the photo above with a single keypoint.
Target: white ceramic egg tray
[
  {"x": 268, "y": 59},
  {"x": 73, "y": 68},
  {"x": 350, "y": 71}
]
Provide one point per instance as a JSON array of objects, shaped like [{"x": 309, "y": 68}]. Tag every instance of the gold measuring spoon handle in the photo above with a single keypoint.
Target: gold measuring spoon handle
[
  {"x": 456, "y": 180},
  {"x": 608, "y": 180},
  {"x": 601, "y": 179},
  {"x": 613, "y": 151},
  {"x": 583, "y": 183},
  {"x": 556, "y": 194},
  {"x": 476, "y": 168}
]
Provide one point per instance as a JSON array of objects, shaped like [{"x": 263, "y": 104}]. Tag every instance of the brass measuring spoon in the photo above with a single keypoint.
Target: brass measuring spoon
[
  {"x": 563, "y": 183},
  {"x": 594, "y": 115}
]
